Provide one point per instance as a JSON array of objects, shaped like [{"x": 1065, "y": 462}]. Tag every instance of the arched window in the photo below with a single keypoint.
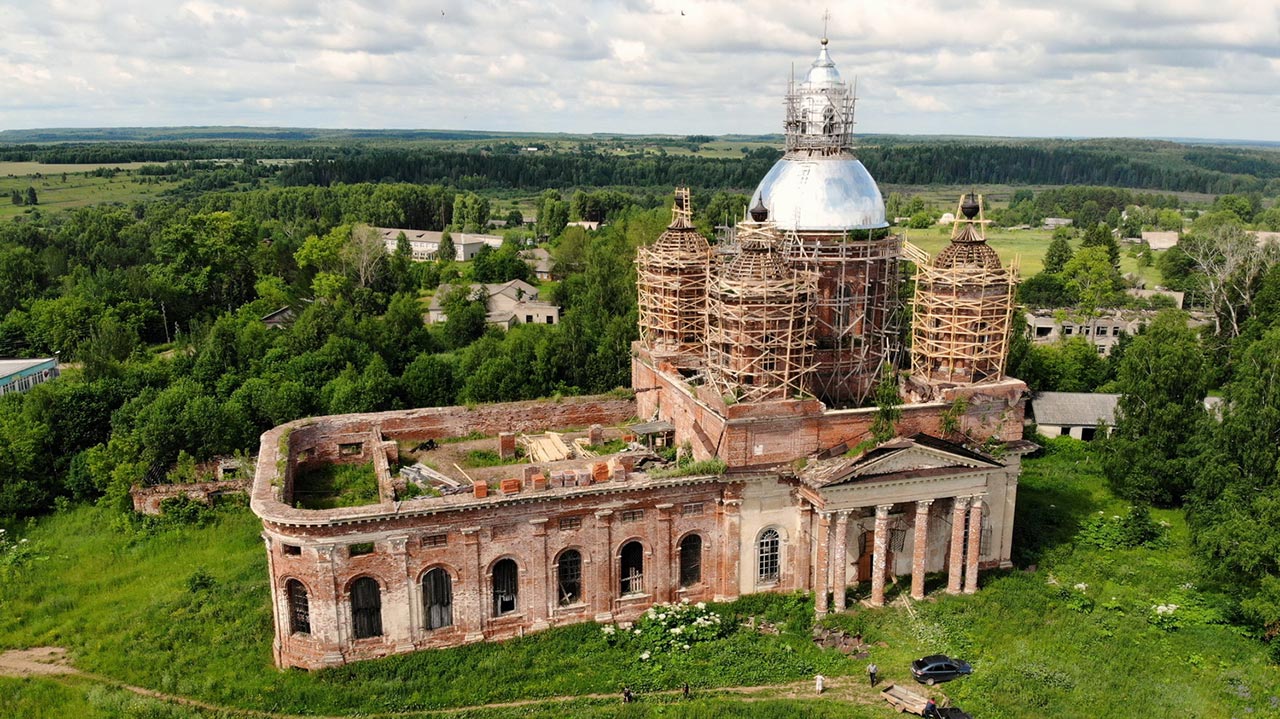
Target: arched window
[
  {"x": 690, "y": 560},
  {"x": 569, "y": 577},
  {"x": 366, "y": 608},
  {"x": 632, "y": 573},
  {"x": 437, "y": 596},
  {"x": 828, "y": 120},
  {"x": 767, "y": 555},
  {"x": 506, "y": 587},
  {"x": 299, "y": 609}
]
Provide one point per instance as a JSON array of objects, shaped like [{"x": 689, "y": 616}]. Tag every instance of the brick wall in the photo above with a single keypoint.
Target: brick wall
[
  {"x": 466, "y": 544},
  {"x": 146, "y": 500}
]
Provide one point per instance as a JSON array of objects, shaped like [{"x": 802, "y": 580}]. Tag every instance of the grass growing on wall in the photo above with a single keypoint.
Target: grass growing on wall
[{"x": 336, "y": 485}]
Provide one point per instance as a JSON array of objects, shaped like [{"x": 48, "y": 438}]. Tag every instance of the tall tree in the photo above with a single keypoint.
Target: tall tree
[
  {"x": 1099, "y": 235},
  {"x": 1058, "y": 254},
  {"x": 365, "y": 253},
  {"x": 1230, "y": 261},
  {"x": 1162, "y": 382},
  {"x": 1093, "y": 279}
]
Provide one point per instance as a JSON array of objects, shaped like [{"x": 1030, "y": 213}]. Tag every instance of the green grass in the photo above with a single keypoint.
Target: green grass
[
  {"x": 122, "y": 602},
  {"x": 1042, "y": 648},
  {"x": 78, "y": 191},
  {"x": 336, "y": 485},
  {"x": 477, "y": 458},
  {"x": 83, "y": 699},
  {"x": 1026, "y": 246}
]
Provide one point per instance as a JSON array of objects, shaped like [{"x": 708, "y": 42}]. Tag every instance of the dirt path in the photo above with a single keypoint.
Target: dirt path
[
  {"x": 40, "y": 661},
  {"x": 53, "y": 663}
]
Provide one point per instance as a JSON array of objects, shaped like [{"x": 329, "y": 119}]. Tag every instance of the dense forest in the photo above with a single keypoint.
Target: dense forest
[
  {"x": 1033, "y": 163},
  {"x": 492, "y": 160}
]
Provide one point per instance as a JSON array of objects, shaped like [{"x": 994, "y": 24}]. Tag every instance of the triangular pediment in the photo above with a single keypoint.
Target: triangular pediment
[{"x": 920, "y": 453}]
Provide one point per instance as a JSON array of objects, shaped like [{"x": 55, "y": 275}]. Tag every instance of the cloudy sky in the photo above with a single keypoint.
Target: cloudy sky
[{"x": 1184, "y": 68}]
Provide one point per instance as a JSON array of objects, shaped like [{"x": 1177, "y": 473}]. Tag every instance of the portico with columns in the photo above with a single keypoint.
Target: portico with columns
[{"x": 909, "y": 507}]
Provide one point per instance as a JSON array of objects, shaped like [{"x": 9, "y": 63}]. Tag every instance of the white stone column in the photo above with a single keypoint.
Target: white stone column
[
  {"x": 975, "y": 546},
  {"x": 920, "y": 548},
  {"x": 879, "y": 554},
  {"x": 840, "y": 561},
  {"x": 955, "y": 559}
]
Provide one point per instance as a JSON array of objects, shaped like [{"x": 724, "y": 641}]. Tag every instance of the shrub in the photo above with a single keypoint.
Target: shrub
[
  {"x": 670, "y": 627},
  {"x": 1135, "y": 529},
  {"x": 199, "y": 581}
]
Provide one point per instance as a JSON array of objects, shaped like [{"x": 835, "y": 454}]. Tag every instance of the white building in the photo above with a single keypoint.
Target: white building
[
  {"x": 1074, "y": 414},
  {"x": 20, "y": 375},
  {"x": 424, "y": 244}
]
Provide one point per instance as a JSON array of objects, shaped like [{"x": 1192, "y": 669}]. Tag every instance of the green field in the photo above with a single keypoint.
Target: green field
[
  {"x": 1027, "y": 247},
  {"x": 184, "y": 611},
  {"x": 77, "y": 190}
]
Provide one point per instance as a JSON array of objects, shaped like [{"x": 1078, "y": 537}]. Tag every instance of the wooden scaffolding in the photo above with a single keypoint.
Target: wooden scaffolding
[
  {"x": 759, "y": 341},
  {"x": 857, "y": 310},
  {"x": 964, "y": 304},
  {"x": 671, "y": 278}
]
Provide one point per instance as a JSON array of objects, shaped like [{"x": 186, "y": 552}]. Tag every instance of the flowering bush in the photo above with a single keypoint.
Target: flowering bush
[
  {"x": 669, "y": 627},
  {"x": 1135, "y": 529},
  {"x": 14, "y": 554},
  {"x": 1165, "y": 616}
]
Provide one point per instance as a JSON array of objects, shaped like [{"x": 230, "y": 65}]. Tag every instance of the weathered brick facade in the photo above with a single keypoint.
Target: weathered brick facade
[{"x": 755, "y": 531}]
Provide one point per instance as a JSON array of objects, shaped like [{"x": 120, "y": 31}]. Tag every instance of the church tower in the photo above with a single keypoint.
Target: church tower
[
  {"x": 831, "y": 212},
  {"x": 759, "y": 333},
  {"x": 671, "y": 276},
  {"x": 963, "y": 310}
]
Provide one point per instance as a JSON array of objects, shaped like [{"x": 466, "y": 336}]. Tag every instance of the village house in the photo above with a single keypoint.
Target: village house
[
  {"x": 1074, "y": 414},
  {"x": 508, "y": 304}
]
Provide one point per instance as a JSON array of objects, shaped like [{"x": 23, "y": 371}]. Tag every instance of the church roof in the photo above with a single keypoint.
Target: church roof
[{"x": 920, "y": 455}]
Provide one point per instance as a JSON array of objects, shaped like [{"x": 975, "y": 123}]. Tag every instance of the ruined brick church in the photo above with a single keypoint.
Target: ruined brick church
[{"x": 761, "y": 351}]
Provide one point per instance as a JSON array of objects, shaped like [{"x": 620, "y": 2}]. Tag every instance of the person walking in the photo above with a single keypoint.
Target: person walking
[
  {"x": 872, "y": 673},
  {"x": 626, "y": 695},
  {"x": 685, "y": 690}
]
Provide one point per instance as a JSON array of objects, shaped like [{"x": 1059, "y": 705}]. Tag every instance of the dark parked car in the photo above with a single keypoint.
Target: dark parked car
[{"x": 938, "y": 668}]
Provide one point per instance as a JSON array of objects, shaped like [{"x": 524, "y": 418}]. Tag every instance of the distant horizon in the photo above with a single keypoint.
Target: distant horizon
[{"x": 499, "y": 133}]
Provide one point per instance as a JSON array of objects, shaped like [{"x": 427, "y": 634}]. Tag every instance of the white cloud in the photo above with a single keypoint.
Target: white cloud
[{"x": 998, "y": 67}]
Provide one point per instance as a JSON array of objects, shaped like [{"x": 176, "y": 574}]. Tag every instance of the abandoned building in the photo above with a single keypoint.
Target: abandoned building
[
  {"x": 761, "y": 355},
  {"x": 507, "y": 304}
]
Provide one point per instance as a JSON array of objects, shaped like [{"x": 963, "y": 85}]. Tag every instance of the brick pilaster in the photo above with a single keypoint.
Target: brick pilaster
[
  {"x": 541, "y": 595},
  {"x": 605, "y": 589},
  {"x": 663, "y": 585},
  {"x": 476, "y": 611}
]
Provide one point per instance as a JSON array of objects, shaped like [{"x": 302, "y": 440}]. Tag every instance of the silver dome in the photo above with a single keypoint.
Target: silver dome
[
  {"x": 831, "y": 194},
  {"x": 823, "y": 72}
]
